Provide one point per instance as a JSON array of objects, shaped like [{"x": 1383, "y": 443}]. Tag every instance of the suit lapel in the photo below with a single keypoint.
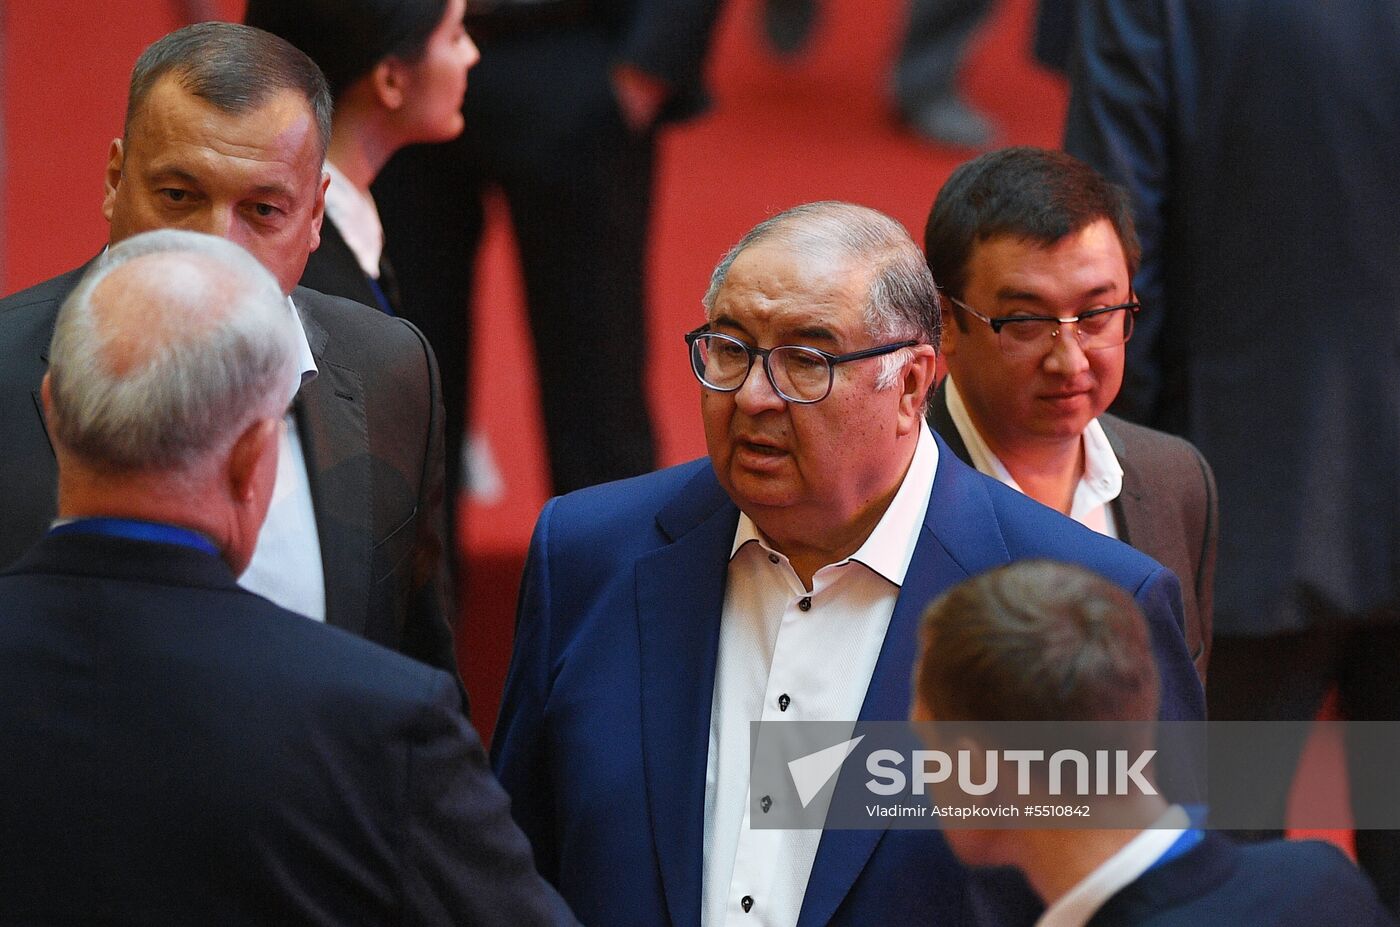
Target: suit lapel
[
  {"x": 960, "y": 538},
  {"x": 941, "y": 421},
  {"x": 330, "y": 416},
  {"x": 680, "y": 597}
]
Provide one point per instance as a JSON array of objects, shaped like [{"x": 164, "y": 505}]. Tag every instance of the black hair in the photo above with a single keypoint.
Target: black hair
[
  {"x": 234, "y": 68},
  {"x": 347, "y": 38},
  {"x": 1027, "y": 193}
]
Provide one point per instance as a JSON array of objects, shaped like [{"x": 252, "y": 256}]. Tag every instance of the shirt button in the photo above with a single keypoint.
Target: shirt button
[
  {"x": 747, "y": 902},
  {"x": 805, "y": 603},
  {"x": 784, "y": 702},
  {"x": 766, "y": 802},
  {"x": 772, "y": 558}
]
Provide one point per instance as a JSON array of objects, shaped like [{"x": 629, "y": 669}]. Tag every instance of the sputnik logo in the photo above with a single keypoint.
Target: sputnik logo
[{"x": 812, "y": 772}]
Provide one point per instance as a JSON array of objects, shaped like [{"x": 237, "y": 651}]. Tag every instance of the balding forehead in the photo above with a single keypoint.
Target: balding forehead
[{"x": 157, "y": 301}]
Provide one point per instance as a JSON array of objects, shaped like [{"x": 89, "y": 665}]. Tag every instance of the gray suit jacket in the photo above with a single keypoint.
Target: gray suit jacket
[
  {"x": 1167, "y": 510},
  {"x": 371, "y": 429}
]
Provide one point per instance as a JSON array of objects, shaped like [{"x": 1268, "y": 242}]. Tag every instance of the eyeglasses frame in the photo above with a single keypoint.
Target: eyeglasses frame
[
  {"x": 831, "y": 361},
  {"x": 997, "y": 324}
]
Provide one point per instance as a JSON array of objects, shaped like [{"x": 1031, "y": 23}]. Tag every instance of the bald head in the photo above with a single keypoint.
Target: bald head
[
  {"x": 165, "y": 352},
  {"x": 170, "y": 370}
]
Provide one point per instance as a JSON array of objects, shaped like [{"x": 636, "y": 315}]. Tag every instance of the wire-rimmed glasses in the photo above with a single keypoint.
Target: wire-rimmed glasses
[{"x": 1095, "y": 329}]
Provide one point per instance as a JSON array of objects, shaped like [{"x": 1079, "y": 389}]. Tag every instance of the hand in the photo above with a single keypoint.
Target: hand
[{"x": 640, "y": 96}]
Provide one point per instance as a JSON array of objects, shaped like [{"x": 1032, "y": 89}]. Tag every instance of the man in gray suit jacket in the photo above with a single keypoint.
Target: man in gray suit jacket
[
  {"x": 226, "y": 131},
  {"x": 1034, "y": 253}
]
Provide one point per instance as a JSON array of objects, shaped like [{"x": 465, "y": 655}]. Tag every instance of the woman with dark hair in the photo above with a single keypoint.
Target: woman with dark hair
[{"x": 397, "y": 70}]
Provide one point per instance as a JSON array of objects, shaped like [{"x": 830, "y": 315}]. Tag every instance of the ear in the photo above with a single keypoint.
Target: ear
[
  {"x": 116, "y": 157},
  {"x": 389, "y": 83},
  {"x": 250, "y": 471},
  {"x": 918, "y": 377},
  {"x": 318, "y": 211},
  {"x": 46, "y": 396},
  {"x": 252, "y": 464},
  {"x": 950, "y": 329}
]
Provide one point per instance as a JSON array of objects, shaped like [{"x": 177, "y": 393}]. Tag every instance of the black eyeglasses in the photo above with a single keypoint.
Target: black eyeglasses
[
  {"x": 1023, "y": 335},
  {"x": 797, "y": 373}
]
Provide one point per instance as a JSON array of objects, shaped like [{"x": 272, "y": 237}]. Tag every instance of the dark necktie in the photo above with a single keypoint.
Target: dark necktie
[{"x": 386, "y": 288}]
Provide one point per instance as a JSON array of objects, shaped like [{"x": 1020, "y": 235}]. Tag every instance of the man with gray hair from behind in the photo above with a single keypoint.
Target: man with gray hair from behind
[{"x": 178, "y": 749}]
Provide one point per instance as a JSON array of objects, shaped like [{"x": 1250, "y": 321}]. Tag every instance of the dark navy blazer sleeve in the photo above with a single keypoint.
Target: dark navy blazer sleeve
[
  {"x": 464, "y": 859},
  {"x": 518, "y": 752},
  {"x": 1117, "y": 122}
]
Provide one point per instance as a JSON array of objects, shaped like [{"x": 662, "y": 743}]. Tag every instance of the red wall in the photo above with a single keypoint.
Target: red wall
[{"x": 66, "y": 65}]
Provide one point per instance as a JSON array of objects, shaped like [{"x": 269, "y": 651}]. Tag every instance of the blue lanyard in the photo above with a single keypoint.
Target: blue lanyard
[
  {"x": 380, "y": 296},
  {"x": 1183, "y": 845},
  {"x": 134, "y": 530}
]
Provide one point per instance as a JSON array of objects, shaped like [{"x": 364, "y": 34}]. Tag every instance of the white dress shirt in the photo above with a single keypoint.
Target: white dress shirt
[
  {"x": 356, "y": 218},
  {"x": 1075, "y": 907},
  {"x": 286, "y": 565},
  {"x": 789, "y": 654},
  {"x": 1100, "y": 485}
]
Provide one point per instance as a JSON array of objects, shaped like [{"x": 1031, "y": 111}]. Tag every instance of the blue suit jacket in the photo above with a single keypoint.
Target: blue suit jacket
[
  {"x": 1272, "y": 884},
  {"x": 604, "y": 730}
]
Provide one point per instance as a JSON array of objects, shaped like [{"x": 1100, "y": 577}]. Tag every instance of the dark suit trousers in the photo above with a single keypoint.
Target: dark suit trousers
[
  {"x": 543, "y": 128},
  {"x": 1286, "y": 677}
]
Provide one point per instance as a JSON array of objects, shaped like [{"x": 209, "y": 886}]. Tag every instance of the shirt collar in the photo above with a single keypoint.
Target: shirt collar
[
  {"x": 1103, "y": 475},
  {"x": 1079, "y": 904},
  {"x": 305, "y": 360},
  {"x": 890, "y": 546},
  {"x": 356, "y": 219}
]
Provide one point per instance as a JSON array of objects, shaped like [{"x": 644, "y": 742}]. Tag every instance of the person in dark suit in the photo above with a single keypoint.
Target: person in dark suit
[
  {"x": 178, "y": 749},
  {"x": 780, "y": 578},
  {"x": 1021, "y": 240},
  {"x": 1046, "y": 642},
  {"x": 225, "y": 133},
  {"x": 1256, "y": 140},
  {"x": 931, "y": 54},
  {"x": 397, "y": 73},
  {"x": 563, "y": 118}
]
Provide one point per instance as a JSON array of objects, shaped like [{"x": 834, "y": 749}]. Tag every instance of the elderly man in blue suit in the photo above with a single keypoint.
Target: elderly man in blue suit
[{"x": 782, "y": 578}]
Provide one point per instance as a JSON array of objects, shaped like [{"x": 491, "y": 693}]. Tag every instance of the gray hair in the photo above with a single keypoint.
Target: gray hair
[
  {"x": 234, "y": 67},
  {"x": 901, "y": 300},
  {"x": 171, "y": 345}
]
